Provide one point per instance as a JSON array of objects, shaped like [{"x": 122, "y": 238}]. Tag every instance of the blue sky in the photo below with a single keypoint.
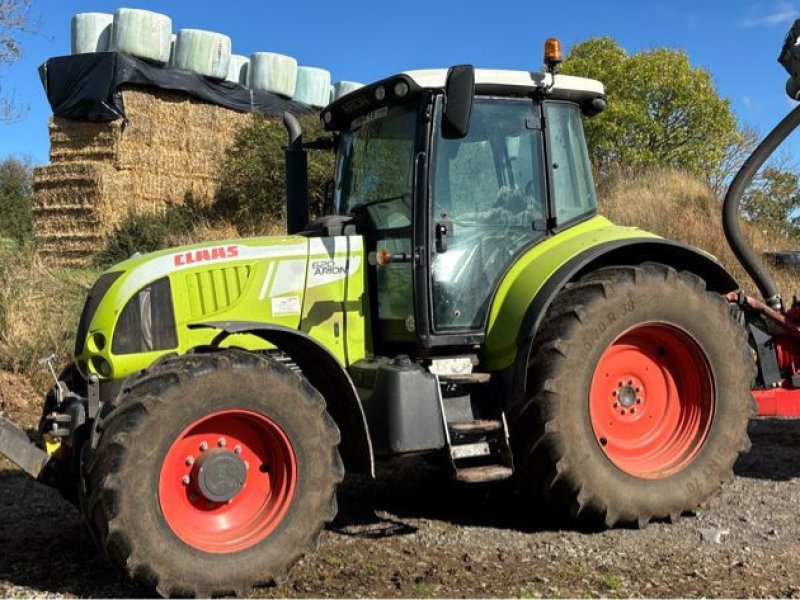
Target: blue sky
[{"x": 736, "y": 40}]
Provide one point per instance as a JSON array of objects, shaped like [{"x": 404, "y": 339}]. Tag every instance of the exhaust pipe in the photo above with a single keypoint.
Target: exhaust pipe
[
  {"x": 730, "y": 209},
  {"x": 297, "y": 213}
]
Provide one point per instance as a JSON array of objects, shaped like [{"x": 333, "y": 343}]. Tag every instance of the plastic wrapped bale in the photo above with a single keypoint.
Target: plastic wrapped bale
[
  {"x": 91, "y": 32},
  {"x": 237, "y": 69},
  {"x": 142, "y": 33},
  {"x": 313, "y": 86},
  {"x": 204, "y": 52},
  {"x": 342, "y": 88},
  {"x": 272, "y": 72}
]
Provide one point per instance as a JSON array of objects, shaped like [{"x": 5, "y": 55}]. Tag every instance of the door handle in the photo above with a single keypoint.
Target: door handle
[{"x": 441, "y": 237}]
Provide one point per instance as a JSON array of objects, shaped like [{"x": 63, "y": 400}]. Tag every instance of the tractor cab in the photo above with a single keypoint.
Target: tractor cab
[{"x": 450, "y": 175}]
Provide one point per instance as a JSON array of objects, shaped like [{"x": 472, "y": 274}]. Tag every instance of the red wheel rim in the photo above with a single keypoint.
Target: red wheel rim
[
  {"x": 652, "y": 400},
  {"x": 267, "y": 461}
]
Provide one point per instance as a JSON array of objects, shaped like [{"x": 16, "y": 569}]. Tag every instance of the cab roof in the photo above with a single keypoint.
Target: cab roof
[
  {"x": 589, "y": 94},
  {"x": 435, "y": 79}
]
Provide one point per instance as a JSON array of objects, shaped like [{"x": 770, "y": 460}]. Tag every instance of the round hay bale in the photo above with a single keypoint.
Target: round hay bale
[
  {"x": 142, "y": 33},
  {"x": 91, "y": 32},
  {"x": 313, "y": 86},
  {"x": 203, "y": 52},
  {"x": 342, "y": 88},
  {"x": 237, "y": 69},
  {"x": 272, "y": 72}
]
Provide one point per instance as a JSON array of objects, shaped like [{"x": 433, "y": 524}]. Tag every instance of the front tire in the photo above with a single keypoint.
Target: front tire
[
  {"x": 638, "y": 397},
  {"x": 214, "y": 473}
]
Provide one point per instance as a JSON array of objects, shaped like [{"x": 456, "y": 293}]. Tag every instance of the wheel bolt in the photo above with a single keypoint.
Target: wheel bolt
[
  {"x": 630, "y": 381},
  {"x": 237, "y": 449},
  {"x": 638, "y": 401},
  {"x": 633, "y": 410},
  {"x": 221, "y": 442},
  {"x": 189, "y": 461},
  {"x": 614, "y": 393},
  {"x": 186, "y": 480},
  {"x": 621, "y": 383},
  {"x": 638, "y": 389},
  {"x": 203, "y": 446},
  {"x": 622, "y": 411}
]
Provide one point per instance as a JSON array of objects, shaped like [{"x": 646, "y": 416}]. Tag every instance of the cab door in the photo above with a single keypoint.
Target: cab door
[{"x": 488, "y": 202}]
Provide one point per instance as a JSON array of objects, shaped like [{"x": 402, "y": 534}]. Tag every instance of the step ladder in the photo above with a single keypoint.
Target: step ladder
[{"x": 478, "y": 447}]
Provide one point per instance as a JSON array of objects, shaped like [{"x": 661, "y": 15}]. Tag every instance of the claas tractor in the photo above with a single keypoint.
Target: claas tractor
[{"x": 461, "y": 300}]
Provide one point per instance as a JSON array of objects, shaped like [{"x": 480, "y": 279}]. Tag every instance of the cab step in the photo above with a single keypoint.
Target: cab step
[
  {"x": 476, "y": 427},
  {"x": 466, "y": 378},
  {"x": 484, "y": 473}
]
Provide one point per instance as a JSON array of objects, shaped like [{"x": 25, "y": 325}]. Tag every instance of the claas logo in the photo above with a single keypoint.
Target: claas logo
[{"x": 206, "y": 254}]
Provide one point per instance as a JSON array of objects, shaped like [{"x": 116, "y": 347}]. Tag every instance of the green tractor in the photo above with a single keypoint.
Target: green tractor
[{"x": 463, "y": 299}]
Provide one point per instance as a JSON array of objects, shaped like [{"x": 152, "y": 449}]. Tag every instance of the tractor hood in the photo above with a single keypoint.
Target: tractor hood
[{"x": 144, "y": 307}]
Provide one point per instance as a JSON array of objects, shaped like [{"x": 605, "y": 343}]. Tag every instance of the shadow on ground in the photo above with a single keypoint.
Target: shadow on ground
[{"x": 775, "y": 454}]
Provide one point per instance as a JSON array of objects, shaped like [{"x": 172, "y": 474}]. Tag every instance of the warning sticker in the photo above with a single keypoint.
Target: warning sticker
[{"x": 289, "y": 305}]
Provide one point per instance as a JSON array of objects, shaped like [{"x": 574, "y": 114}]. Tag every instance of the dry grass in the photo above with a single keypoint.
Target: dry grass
[
  {"x": 39, "y": 310},
  {"x": 680, "y": 207}
]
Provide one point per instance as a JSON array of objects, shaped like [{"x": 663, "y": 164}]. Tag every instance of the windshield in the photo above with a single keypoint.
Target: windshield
[{"x": 375, "y": 167}]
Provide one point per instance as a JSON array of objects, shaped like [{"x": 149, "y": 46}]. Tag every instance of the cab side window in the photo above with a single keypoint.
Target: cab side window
[{"x": 573, "y": 187}]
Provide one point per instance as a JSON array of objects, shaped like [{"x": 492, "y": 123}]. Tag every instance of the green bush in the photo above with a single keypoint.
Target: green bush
[
  {"x": 16, "y": 194},
  {"x": 149, "y": 232},
  {"x": 253, "y": 192}
]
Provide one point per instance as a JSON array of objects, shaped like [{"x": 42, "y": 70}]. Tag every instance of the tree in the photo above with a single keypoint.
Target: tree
[
  {"x": 661, "y": 110},
  {"x": 773, "y": 201},
  {"x": 16, "y": 194},
  {"x": 253, "y": 190},
  {"x": 14, "y": 19}
]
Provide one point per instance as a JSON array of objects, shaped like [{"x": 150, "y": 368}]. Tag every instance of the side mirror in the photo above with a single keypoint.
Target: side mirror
[{"x": 460, "y": 91}]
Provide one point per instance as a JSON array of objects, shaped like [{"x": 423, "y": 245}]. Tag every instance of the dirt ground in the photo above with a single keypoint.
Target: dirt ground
[{"x": 414, "y": 533}]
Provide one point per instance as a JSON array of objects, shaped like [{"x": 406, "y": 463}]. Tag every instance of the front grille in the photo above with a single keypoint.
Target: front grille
[
  {"x": 96, "y": 294},
  {"x": 215, "y": 290}
]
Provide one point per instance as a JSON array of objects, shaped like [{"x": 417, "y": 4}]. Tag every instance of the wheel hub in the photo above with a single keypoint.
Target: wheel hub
[
  {"x": 627, "y": 396},
  {"x": 220, "y": 475}
]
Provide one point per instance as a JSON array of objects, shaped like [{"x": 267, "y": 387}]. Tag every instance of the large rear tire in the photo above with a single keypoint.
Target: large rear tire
[
  {"x": 213, "y": 473},
  {"x": 638, "y": 397}
]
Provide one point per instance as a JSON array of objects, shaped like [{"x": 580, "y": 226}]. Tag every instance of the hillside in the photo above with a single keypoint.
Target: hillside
[{"x": 678, "y": 206}]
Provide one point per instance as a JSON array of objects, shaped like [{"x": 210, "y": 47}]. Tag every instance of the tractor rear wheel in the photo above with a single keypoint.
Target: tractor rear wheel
[
  {"x": 213, "y": 473},
  {"x": 638, "y": 397}
]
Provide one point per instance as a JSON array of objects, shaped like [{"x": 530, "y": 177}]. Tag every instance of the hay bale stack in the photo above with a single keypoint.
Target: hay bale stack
[{"x": 171, "y": 148}]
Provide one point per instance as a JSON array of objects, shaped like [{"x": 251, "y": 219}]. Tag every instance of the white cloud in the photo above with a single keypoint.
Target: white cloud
[{"x": 783, "y": 12}]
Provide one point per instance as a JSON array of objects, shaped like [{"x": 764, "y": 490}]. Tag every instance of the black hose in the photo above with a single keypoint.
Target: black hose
[{"x": 730, "y": 209}]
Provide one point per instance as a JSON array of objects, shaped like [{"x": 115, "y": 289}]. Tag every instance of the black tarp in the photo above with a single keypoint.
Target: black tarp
[{"x": 87, "y": 87}]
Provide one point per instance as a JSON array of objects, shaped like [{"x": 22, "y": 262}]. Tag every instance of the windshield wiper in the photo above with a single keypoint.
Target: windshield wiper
[{"x": 369, "y": 203}]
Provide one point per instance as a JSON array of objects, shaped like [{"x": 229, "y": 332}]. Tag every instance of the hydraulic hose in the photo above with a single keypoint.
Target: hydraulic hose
[{"x": 730, "y": 209}]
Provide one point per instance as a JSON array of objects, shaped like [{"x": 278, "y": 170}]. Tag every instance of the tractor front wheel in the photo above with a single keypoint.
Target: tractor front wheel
[
  {"x": 637, "y": 397},
  {"x": 213, "y": 473}
]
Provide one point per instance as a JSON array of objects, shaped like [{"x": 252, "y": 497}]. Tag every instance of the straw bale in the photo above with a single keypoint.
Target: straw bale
[{"x": 171, "y": 147}]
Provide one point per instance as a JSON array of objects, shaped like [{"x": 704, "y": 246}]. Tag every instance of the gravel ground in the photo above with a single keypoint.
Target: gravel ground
[{"x": 413, "y": 533}]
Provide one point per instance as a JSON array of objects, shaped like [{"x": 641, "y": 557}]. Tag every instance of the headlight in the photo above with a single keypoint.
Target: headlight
[
  {"x": 97, "y": 293},
  {"x": 147, "y": 322}
]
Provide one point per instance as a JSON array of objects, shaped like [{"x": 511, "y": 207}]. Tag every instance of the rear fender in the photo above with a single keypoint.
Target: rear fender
[
  {"x": 623, "y": 252},
  {"x": 326, "y": 374}
]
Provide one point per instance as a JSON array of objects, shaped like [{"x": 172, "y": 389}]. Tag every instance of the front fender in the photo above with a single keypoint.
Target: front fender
[{"x": 325, "y": 373}]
